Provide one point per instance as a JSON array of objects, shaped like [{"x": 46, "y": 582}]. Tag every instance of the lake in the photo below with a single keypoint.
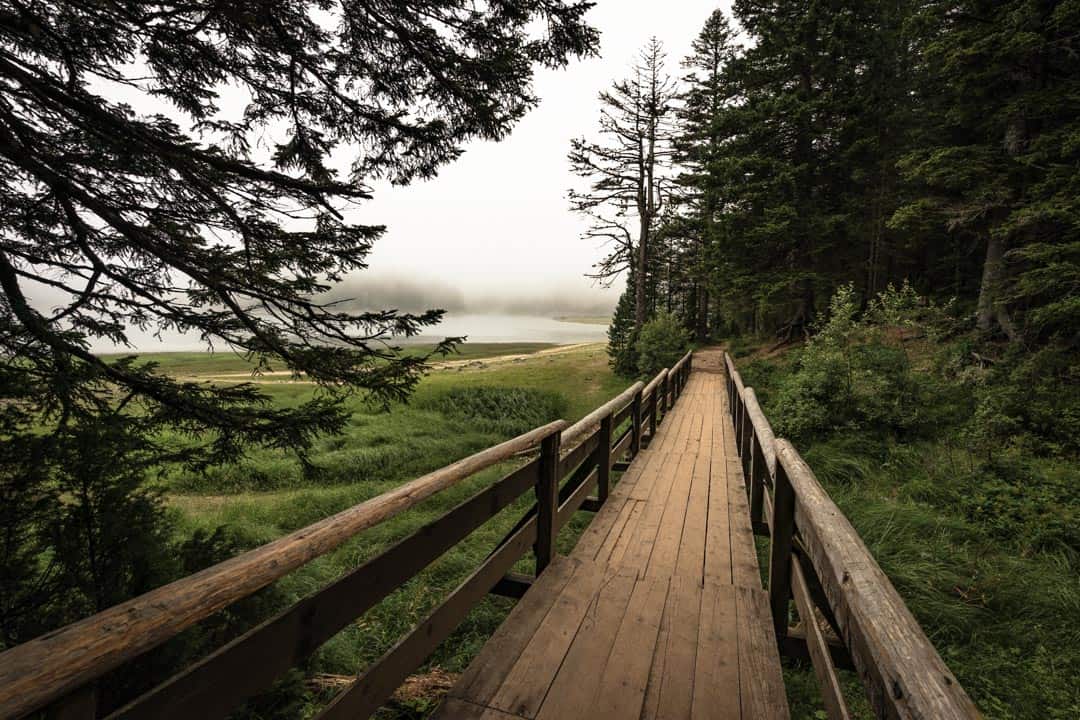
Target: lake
[{"x": 478, "y": 328}]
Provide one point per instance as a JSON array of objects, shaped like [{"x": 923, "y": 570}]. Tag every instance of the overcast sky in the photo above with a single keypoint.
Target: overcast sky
[{"x": 495, "y": 225}]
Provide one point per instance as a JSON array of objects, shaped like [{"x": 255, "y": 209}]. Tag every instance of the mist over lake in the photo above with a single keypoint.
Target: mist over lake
[{"x": 485, "y": 328}]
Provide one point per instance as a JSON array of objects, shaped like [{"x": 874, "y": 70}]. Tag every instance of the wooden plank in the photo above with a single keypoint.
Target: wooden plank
[
  {"x": 670, "y": 692},
  {"x": 614, "y": 550},
  {"x": 378, "y": 682},
  {"x": 621, "y": 691},
  {"x": 718, "y": 527},
  {"x": 30, "y": 677},
  {"x": 716, "y": 672},
  {"x": 486, "y": 672},
  {"x": 453, "y": 708},
  {"x": 577, "y": 681},
  {"x": 745, "y": 570},
  {"x": 255, "y": 659},
  {"x": 691, "y": 562},
  {"x": 665, "y": 548},
  {"x": 527, "y": 682},
  {"x": 606, "y": 522},
  {"x": 761, "y": 684}
]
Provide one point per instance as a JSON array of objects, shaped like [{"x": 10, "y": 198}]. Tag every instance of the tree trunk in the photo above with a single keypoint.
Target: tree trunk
[
  {"x": 984, "y": 317},
  {"x": 702, "y": 314},
  {"x": 640, "y": 278}
]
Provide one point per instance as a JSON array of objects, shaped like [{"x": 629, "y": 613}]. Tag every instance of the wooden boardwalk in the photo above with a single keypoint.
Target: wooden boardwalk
[{"x": 659, "y": 611}]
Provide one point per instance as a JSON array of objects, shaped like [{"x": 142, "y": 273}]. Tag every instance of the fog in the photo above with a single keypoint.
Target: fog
[{"x": 492, "y": 234}]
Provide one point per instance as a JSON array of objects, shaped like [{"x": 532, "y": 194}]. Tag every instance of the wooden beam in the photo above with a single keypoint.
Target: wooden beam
[
  {"x": 31, "y": 677},
  {"x": 904, "y": 675},
  {"x": 253, "y": 661},
  {"x": 547, "y": 501},
  {"x": 364, "y": 696}
]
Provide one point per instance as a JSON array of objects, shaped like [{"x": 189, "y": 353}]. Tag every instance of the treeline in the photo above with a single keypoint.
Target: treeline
[{"x": 805, "y": 146}]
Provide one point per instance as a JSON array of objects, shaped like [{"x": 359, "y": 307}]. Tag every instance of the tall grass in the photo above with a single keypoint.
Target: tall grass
[{"x": 983, "y": 551}]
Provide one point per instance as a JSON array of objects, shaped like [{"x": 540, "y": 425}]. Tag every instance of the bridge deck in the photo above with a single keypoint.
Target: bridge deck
[{"x": 659, "y": 610}]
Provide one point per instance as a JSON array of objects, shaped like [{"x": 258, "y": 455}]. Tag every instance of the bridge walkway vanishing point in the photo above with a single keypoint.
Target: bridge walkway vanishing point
[{"x": 659, "y": 612}]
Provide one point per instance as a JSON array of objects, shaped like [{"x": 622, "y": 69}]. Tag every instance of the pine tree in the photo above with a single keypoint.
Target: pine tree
[
  {"x": 700, "y": 146},
  {"x": 627, "y": 172},
  {"x": 994, "y": 163},
  {"x": 180, "y": 220}
]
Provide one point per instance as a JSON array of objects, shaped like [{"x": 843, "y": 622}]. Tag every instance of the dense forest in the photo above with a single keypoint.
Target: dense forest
[
  {"x": 876, "y": 207},
  {"x": 806, "y": 146}
]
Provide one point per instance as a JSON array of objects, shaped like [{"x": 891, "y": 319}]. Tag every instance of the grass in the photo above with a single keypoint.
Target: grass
[
  {"x": 455, "y": 412},
  {"x": 982, "y": 552}
]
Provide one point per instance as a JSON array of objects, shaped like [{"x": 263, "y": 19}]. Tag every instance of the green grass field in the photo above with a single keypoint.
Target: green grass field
[{"x": 456, "y": 411}]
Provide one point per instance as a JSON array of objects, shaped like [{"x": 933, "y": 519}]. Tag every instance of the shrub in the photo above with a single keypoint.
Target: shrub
[
  {"x": 848, "y": 377},
  {"x": 502, "y": 410},
  {"x": 663, "y": 341}
]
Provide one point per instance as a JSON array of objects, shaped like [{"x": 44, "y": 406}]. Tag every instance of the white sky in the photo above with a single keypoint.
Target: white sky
[{"x": 496, "y": 223}]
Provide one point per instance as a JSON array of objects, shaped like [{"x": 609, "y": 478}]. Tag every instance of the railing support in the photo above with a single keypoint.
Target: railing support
[
  {"x": 635, "y": 425},
  {"x": 603, "y": 460},
  {"x": 759, "y": 473},
  {"x": 547, "y": 501},
  {"x": 783, "y": 528},
  {"x": 652, "y": 413}
]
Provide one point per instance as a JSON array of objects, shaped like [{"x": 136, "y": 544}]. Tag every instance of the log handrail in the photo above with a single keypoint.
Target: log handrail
[
  {"x": 903, "y": 674},
  {"x": 31, "y": 677},
  {"x": 906, "y": 676},
  {"x": 57, "y": 671}
]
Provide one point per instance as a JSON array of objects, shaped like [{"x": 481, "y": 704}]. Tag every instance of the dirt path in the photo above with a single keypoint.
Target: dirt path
[{"x": 473, "y": 363}]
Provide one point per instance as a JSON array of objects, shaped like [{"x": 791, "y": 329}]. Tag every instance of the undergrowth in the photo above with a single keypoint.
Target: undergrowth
[{"x": 956, "y": 462}]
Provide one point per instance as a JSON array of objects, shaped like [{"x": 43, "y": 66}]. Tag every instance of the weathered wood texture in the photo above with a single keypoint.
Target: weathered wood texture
[
  {"x": 31, "y": 675},
  {"x": 663, "y": 615},
  {"x": 904, "y": 675},
  {"x": 839, "y": 579}
]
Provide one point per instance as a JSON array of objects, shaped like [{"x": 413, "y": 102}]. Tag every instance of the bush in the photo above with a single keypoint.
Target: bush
[
  {"x": 501, "y": 410},
  {"x": 663, "y": 342},
  {"x": 849, "y": 377}
]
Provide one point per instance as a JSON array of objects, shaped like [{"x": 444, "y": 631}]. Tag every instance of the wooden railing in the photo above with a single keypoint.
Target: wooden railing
[
  {"x": 817, "y": 559},
  {"x": 58, "y": 671}
]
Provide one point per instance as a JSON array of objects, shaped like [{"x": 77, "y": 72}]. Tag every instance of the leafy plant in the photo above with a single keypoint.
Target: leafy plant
[{"x": 663, "y": 341}]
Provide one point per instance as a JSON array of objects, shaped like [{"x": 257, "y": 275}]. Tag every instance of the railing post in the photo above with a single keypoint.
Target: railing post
[
  {"x": 547, "y": 501},
  {"x": 635, "y": 427},
  {"x": 667, "y": 393},
  {"x": 603, "y": 459},
  {"x": 758, "y": 472},
  {"x": 652, "y": 412},
  {"x": 745, "y": 447},
  {"x": 783, "y": 528}
]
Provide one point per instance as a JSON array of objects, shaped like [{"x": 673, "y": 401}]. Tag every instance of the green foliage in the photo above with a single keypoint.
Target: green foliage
[
  {"x": 501, "y": 410},
  {"x": 849, "y": 378},
  {"x": 663, "y": 341},
  {"x": 622, "y": 340}
]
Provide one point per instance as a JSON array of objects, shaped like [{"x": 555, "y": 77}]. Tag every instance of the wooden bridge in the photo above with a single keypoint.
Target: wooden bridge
[{"x": 659, "y": 612}]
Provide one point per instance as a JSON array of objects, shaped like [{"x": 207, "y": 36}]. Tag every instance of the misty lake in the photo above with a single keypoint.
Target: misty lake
[{"x": 476, "y": 327}]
